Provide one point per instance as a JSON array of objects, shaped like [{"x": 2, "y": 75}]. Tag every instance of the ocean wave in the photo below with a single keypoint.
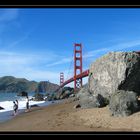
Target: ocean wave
[{"x": 8, "y": 105}]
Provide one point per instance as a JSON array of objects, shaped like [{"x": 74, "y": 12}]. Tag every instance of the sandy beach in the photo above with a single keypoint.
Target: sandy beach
[{"x": 64, "y": 117}]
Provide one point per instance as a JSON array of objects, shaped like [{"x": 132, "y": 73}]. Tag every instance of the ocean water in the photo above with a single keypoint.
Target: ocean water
[{"x": 6, "y": 101}]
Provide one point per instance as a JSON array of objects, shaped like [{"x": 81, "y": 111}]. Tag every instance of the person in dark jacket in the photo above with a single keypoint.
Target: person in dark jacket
[
  {"x": 17, "y": 104},
  {"x": 27, "y": 103},
  {"x": 15, "y": 107}
]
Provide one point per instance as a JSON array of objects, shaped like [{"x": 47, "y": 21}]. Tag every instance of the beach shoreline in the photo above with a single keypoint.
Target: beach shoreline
[{"x": 64, "y": 117}]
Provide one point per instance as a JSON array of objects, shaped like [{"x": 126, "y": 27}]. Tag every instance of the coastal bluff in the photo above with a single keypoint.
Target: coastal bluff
[{"x": 114, "y": 80}]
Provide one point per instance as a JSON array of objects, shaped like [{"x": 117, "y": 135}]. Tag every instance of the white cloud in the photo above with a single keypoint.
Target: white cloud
[
  {"x": 41, "y": 75},
  {"x": 62, "y": 61},
  {"x": 118, "y": 47},
  {"x": 95, "y": 52},
  {"x": 29, "y": 65},
  {"x": 17, "y": 42},
  {"x": 92, "y": 55},
  {"x": 26, "y": 66},
  {"x": 12, "y": 59}
]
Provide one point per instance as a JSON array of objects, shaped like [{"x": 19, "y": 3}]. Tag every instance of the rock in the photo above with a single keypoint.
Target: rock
[
  {"x": 83, "y": 92},
  {"x": 34, "y": 105},
  {"x": 72, "y": 95},
  {"x": 123, "y": 103},
  {"x": 46, "y": 98},
  {"x": 23, "y": 93},
  {"x": 74, "y": 99},
  {"x": 115, "y": 71},
  {"x": 31, "y": 99},
  {"x": 63, "y": 93},
  {"x": 85, "y": 98},
  {"x": 88, "y": 100},
  {"x": 77, "y": 106},
  {"x": 92, "y": 101},
  {"x": 38, "y": 97},
  {"x": 1, "y": 108},
  {"x": 66, "y": 92}
]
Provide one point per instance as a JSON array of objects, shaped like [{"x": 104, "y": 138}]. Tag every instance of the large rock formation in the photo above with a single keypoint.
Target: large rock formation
[
  {"x": 115, "y": 71},
  {"x": 88, "y": 100},
  {"x": 38, "y": 97},
  {"x": 63, "y": 93},
  {"x": 114, "y": 79},
  {"x": 123, "y": 103}
]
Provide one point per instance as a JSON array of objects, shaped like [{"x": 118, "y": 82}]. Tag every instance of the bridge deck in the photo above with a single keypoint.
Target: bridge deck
[{"x": 82, "y": 75}]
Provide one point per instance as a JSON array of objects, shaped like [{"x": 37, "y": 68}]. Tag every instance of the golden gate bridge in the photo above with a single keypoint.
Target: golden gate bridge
[{"x": 78, "y": 70}]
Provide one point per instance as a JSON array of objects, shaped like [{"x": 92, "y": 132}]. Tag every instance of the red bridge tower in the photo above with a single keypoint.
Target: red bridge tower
[
  {"x": 61, "y": 78},
  {"x": 77, "y": 65}
]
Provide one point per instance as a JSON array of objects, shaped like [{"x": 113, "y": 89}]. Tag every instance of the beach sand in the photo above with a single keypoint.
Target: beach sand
[{"x": 64, "y": 117}]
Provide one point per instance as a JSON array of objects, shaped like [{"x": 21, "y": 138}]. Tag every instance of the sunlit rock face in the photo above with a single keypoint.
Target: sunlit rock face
[{"x": 115, "y": 71}]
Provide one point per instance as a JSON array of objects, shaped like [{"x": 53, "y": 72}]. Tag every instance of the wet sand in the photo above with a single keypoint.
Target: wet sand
[{"x": 64, "y": 117}]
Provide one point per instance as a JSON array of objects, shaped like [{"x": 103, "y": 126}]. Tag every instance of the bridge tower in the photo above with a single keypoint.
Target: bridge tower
[
  {"x": 77, "y": 65},
  {"x": 61, "y": 78}
]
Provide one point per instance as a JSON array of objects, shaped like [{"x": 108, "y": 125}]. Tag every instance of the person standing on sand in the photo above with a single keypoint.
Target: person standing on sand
[
  {"x": 15, "y": 108},
  {"x": 17, "y": 104},
  {"x": 27, "y": 104}
]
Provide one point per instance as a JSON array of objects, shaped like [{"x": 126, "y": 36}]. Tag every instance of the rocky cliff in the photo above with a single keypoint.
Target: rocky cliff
[
  {"x": 115, "y": 71},
  {"x": 114, "y": 80}
]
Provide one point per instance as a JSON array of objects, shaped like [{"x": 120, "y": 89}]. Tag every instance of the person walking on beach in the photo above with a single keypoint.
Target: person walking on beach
[
  {"x": 15, "y": 108},
  {"x": 17, "y": 104},
  {"x": 27, "y": 103}
]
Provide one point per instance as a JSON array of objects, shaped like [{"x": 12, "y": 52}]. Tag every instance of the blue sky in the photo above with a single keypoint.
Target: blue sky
[{"x": 37, "y": 43}]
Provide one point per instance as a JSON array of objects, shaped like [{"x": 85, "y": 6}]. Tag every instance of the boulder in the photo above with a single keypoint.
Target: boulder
[
  {"x": 66, "y": 92},
  {"x": 115, "y": 71},
  {"x": 1, "y": 108},
  {"x": 38, "y": 97},
  {"x": 88, "y": 100},
  {"x": 77, "y": 106},
  {"x": 63, "y": 93},
  {"x": 34, "y": 105},
  {"x": 124, "y": 103},
  {"x": 92, "y": 101},
  {"x": 72, "y": 95},
  {"x": 83, "y": 92}
]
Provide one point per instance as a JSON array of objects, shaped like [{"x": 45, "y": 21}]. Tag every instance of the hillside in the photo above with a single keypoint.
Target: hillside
[
  {"x": 45, "y": 86},
  {"x": 10, "y": 84}
]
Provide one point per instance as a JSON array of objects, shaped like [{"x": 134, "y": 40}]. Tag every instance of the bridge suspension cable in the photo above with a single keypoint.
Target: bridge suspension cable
[
  {"x": 70, "y": 66},
  {"x": 85, "y": 59}
]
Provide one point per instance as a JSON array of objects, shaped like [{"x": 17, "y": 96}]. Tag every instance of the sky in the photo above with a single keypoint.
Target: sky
[{"x": 38, "y": 43}]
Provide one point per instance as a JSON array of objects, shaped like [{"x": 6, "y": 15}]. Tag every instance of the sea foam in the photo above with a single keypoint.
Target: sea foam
[{"x": 8, "y": 105}]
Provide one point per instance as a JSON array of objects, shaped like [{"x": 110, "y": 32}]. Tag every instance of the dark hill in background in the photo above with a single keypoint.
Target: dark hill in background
[
  {"x": 10, "y": 84},
  {"x": 45, "y": 86}
]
